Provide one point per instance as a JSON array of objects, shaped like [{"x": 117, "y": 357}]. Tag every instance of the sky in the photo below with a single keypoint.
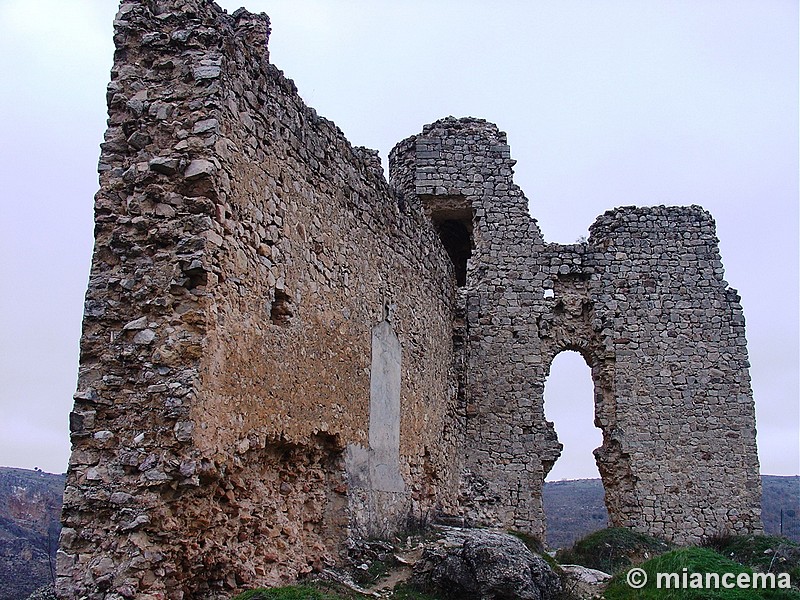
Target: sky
[{"x": 606, "y": 103}]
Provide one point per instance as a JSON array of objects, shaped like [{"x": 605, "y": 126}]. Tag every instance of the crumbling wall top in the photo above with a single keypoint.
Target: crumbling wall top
[{"x": 682, "y": 218}]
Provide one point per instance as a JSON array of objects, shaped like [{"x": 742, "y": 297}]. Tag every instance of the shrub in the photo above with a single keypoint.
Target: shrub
[
  {"x": 766, "y": 553},
  {"x": 612, "y": 549}
]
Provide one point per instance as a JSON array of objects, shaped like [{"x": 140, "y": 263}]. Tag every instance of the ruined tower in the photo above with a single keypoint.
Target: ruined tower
[
  {"x": 282, "y": 351},
  {"x": 643, "y": 301}
]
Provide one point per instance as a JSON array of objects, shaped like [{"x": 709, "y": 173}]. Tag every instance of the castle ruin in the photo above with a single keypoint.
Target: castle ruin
[{"x": 283, "y": 352}]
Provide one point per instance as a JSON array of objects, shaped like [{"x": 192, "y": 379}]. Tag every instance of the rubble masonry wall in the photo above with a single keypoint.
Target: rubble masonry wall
[{"x": 245, "y": 253}]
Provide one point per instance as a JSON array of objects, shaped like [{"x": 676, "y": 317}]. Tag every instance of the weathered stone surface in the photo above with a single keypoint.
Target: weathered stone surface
[
  {"x": 230, "y": 426},
  {"x": 199, "y": 168},
  {"x": 485, "y": 565},
  {"x": 164, "y": 165},
  {"x": 201, "y": 72},
  {"x": 583, "y": 582}
]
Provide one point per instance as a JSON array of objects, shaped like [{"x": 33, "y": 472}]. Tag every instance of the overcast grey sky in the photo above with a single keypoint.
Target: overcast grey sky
[{"x": 605, "y": 103}]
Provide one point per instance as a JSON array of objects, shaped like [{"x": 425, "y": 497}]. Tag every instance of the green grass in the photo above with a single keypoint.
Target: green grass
[
  {"x": 694, "y": 560},
  {"x": 292, "y": 592},
  {"x": 329, "y": 591},
  {"x": 406, "y": 591},
  {"x": 375, "y": 571},
  {"x": 610, "y": 550},
  {"x": 766, "y": 553},
  {"x": 320, "y": 591}
]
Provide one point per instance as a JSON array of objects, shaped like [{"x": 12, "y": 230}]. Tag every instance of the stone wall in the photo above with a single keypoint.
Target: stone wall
[
  {"x": 644, "y": 302},
  {"x": 682, "y": 391},
  {"x": 245, "y": 253},
  {"x": 284, "y": 353}
]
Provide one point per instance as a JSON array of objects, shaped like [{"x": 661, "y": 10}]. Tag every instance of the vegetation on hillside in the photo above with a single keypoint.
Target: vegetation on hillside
[
  {"x": 573, "y": 510},
  {"x": 780, "y": 505}
]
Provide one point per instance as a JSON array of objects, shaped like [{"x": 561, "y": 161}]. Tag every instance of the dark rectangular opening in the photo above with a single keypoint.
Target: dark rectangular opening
[{"x": 452, "y": 217}]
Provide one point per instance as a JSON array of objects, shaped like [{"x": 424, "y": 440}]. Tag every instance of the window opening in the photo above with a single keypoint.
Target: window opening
[{"x": 574, "y": 500}]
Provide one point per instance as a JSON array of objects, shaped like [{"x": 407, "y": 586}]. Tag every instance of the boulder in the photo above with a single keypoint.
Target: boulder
[{"x": 482, "y": 564}]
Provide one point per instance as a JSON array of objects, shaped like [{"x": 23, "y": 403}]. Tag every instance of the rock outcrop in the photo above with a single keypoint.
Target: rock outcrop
[
  {"x": 30, "y": 514},
  {"x": 479, "y": 564}
]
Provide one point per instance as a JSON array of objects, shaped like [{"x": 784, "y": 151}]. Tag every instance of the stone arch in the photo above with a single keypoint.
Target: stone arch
[
  {"x": 569, "y": 404},
  {"x": 613, "y": 463},
  {"x": 643, "y": 294},
  {"x": 555, "y": 405},
  {"x": 570, "y": 328}
]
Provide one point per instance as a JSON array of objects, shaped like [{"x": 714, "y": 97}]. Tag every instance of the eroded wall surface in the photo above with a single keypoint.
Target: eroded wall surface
[
  {"x": 644, "y": 302},
  {"x": 245, "y": 254}
]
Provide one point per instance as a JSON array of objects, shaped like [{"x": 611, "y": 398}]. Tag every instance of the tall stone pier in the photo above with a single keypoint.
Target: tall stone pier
[{"x": 283, "y": 352}]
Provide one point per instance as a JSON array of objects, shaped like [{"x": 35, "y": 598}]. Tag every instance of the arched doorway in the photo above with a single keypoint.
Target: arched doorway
[{"x": 573, "y": 493}]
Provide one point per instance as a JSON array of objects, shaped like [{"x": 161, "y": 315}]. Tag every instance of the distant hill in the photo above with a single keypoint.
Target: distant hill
[
  {"x": 575, "y": 508},
  {"x": 30, "y": 511},
  {"x": 781, "y": 493}
]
